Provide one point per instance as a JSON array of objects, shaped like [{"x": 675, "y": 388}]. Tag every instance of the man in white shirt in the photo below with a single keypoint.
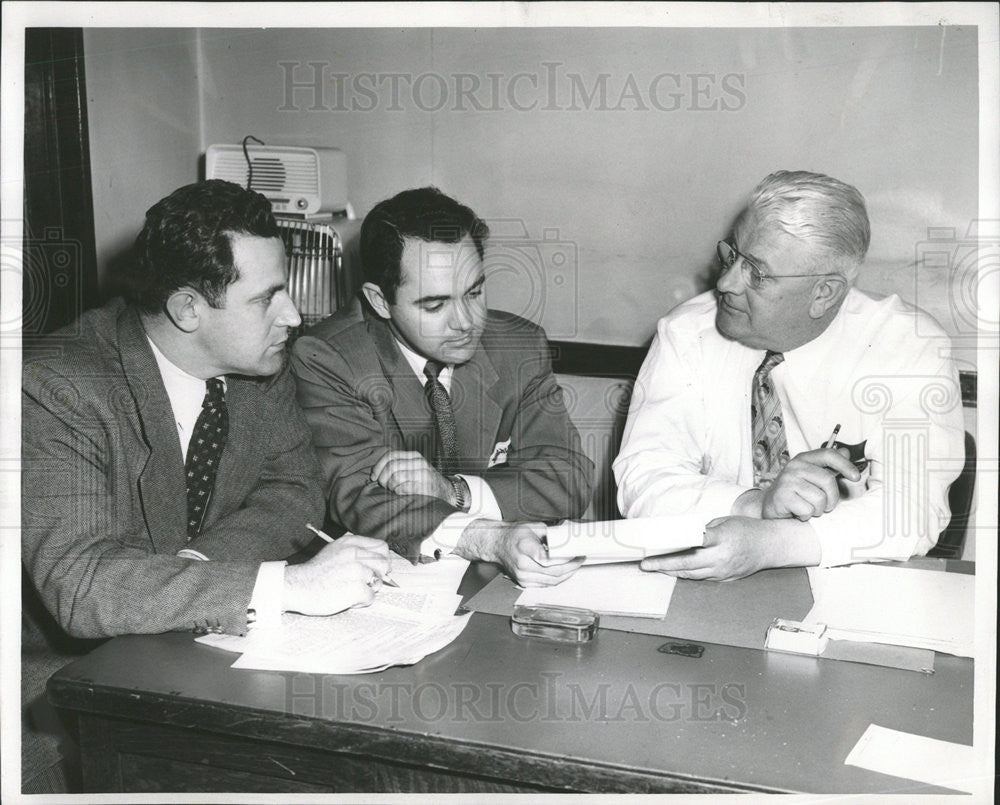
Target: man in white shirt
[
  {"x": 736, "y": 409},
  {"x": 167, "y": 470},
  {"x": 438, "y": 423}
]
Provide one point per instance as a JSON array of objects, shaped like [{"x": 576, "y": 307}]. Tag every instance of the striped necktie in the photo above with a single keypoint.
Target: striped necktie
[
  {"x": 440, "y": 402},
  {"x": 770, "y": 446},
  {"x": 204, "y": 452}
]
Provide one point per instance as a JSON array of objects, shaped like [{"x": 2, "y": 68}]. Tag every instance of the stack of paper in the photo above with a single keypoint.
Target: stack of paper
[
  {"x": 609, "y": 589},
  {"x": 625, "y": 540},
  {"x": 402, "y": 626},
  {"x": 896, "y": 605}
]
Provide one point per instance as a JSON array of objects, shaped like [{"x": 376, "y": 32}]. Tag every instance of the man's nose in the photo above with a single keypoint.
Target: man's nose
[
  {"x": 288, "y": 315},
  {"x": 731, "y": 281},
  {"x": 461, "y": 317}
]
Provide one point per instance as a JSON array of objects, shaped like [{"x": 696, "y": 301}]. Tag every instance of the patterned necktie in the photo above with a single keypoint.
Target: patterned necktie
[
  {"x": 204, "y": 451},
  {"x": 770, "y": 447},
  {"x": 437, "y": 396}
]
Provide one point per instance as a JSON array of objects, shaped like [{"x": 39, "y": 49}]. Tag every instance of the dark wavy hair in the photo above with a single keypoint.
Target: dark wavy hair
[
  {"x": 424, "y": 213},
  {"x": 185, "y": 242}
]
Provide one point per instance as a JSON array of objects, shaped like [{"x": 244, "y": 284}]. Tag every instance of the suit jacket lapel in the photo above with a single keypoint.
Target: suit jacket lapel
[
  {"x": 409, "y": 406},
  {"x": 476, "y": 400},
  {"x": 243, "y": 454},
  {"x": 157, "y": 457}
]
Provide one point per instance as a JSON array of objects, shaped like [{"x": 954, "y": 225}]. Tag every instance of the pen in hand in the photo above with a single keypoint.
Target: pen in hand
[{"x": 323, "y": 535}]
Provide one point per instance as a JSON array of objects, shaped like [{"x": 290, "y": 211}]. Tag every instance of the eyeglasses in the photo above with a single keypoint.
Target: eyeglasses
[{"x": 752, "y": 275}]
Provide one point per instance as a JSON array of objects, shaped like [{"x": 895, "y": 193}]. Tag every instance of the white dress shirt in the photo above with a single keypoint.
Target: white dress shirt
[
  {"x": 483, "y": 502},
  {"x": 187, "y": 394},
  {"x": 882, "y": 370}
]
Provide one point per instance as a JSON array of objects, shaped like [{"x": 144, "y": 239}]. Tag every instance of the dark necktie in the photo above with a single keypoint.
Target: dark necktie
[
  {"x": 770, "y": 447},
  {"x": 204, "y": 452},
  {"x": 437, "y": 396}
]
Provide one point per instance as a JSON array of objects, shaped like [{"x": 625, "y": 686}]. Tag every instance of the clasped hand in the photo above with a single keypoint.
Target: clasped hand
[{"x": 406, "y": 472}]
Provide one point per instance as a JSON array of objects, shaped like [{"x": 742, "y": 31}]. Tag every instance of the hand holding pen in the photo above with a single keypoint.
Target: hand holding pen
[
  {"x": 807, "y": 486},
  {"x": 376, "y": 579}
]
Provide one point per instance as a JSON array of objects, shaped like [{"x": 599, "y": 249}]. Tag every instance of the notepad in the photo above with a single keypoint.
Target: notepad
[
  {"x": 625, "y": 540},
  {"x": 613, "y": 589}
]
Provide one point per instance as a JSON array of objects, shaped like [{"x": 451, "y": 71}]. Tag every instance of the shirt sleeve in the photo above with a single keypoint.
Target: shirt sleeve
[
  {"x": 266, "y": 599},
  {"x": 483, "y": 503},
  {"x": 660, "y": 468}
]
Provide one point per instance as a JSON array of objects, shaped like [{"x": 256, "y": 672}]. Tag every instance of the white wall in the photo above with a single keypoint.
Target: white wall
[
  {"x": 634, "y": 198},
  {"x": 142, "y": 94}
]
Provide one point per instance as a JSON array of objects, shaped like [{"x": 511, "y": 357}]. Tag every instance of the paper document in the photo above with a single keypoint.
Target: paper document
[
  {"x": 614, "y": 589},
  {"x": 896, "y": 605},
  {"x": 625, "y": 540},
  {"x": 401, "y": 626},
  {"x": 915, "y": 757}
]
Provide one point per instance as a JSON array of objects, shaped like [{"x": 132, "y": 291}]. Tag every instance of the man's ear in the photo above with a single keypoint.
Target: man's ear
[
  {"x": 376, "y": 299},
  {"x": 827, "y": 293},
  {"x": 182, "y": 309}
]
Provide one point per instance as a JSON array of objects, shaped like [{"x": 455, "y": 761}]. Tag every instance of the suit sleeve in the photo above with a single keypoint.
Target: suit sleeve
[
  {"x": 83, "y": 540},
  {"x": 547, "y": 475},
  {"x": 270, "y": 522},
  {"x": 340, "y": 406}
]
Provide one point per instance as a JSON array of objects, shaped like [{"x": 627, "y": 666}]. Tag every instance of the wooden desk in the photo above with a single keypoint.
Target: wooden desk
[{"x": 493, "y": 712}]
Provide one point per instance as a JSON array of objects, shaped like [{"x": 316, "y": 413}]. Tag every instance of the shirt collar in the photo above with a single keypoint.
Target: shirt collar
[
  {"x": 418, "y": 362},
  {"x": 184, "y": 390}
]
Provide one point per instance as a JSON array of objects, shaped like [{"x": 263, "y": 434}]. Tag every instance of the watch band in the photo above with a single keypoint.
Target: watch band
[{"x": 462, "y": 493}]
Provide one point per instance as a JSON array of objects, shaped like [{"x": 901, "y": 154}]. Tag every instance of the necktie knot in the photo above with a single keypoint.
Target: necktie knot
[
  {"x": 433, "y": 368},
  {"x": 771, "y": 359},
  {"x": 215, "y": 393}
]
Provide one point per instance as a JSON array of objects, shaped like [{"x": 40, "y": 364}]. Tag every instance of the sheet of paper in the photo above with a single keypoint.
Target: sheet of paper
[
  {"x": 444, "y": 575},
  {"x": 899, "y": 606},
  {"x": 352, "y": 642},
  {"x": 401, "y": 626},
  {"x": 625, "y": 540},
  {"x": 915, "y": 757},
  {"x": 616, "y": 589},
  {"x": 414, "y": 604}
]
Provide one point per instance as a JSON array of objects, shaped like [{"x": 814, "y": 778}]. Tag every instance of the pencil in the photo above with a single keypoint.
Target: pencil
[{"x": 323, "y": 535}]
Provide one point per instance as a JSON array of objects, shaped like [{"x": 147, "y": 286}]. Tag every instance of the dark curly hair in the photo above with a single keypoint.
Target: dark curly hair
[
  {"x": 185, "y": 242},
  {"x": 424, "y": 213}
]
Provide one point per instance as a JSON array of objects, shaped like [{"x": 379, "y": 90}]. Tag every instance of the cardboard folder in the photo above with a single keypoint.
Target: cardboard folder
[{"x": 730, "y": 613}]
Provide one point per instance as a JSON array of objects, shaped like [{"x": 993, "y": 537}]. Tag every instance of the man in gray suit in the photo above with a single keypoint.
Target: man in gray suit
[
  {"x": 439, "y": 424},
  {"x": 167, "y": 470}
]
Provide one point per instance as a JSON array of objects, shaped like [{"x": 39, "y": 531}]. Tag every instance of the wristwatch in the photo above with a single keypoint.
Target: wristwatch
[{"x": 463, "y": 496}]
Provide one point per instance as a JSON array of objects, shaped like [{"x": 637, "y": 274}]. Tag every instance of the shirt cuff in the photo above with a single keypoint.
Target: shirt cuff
[
  {"x": 446, "y": 536},
  {"x": 265, "y": 602},
  {"x": 483, "y": 503}
]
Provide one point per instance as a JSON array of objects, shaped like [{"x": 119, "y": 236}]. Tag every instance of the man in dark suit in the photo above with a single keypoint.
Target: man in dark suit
[
  {"x": 167, "y": 470},
  {"x": 438, "y": 423}
]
